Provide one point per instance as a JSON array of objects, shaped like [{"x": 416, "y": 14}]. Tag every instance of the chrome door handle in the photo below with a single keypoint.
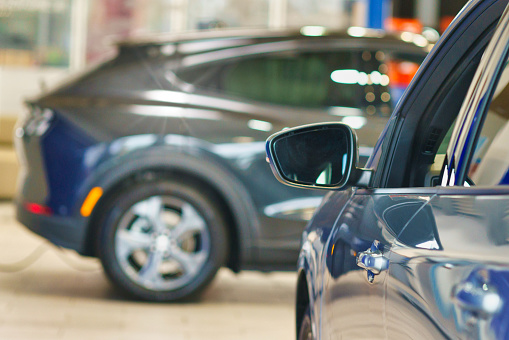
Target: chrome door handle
[
  {"x": 479, "y": 299},
  {"x": 373, "y": 261}
]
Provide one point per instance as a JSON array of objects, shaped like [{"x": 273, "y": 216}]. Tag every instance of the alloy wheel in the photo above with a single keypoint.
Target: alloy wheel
[{"x": 162, "y": 243}]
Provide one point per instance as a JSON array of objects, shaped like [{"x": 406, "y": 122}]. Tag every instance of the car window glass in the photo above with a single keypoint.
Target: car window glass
[
  {"x": 490, "y": 160},
  {"x": 434, "y": 133},
  {"x": 294, "y": 80},
  {"x": 372, "y": 81},
  {"x": 439, "y": 159}
]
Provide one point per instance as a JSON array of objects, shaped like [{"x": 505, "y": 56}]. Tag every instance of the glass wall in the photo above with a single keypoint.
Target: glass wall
[
  {"x": 111, "y": 20},
  {"x": 328, "y": 13},
  {"x": 35, "y": 32},
  {"x": 108, "y": 21},
  {"x": 203, "y": 14}
]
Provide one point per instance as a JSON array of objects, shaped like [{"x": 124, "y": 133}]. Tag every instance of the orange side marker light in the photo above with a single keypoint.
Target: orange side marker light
[{"x": 91, "y": 200}]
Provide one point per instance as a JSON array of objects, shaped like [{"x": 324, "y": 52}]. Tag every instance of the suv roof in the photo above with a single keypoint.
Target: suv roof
[{"x": 237, "y": 37}]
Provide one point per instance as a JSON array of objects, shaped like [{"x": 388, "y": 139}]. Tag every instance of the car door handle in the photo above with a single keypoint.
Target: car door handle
[
  {"x": 373, "y": 261},
  {"x": 477, "y": 298}
]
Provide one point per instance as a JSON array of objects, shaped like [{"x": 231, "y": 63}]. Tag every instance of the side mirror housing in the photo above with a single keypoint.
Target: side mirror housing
[{"x": 318, "y": 156}]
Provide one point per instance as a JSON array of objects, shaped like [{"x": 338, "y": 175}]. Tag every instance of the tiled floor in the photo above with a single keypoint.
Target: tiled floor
[{"x": 64, "y": 296}]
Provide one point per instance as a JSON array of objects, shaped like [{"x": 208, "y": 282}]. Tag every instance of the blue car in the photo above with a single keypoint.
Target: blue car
[{"x": 415, "y": 245}]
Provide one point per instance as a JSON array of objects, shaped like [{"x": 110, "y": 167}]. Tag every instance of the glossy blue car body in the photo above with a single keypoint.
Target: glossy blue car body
[{"x": 440, "y": 238}]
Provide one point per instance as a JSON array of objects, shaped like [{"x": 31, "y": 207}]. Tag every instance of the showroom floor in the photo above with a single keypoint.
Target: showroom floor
[{"x": 46, "y": 293}]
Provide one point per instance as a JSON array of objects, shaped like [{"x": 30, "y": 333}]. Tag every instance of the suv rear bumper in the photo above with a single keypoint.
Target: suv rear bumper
[{"x": 67, "y": 232}]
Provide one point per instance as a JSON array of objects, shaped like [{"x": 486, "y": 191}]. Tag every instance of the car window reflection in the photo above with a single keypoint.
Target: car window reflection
[{"x": 490, "y": 161}]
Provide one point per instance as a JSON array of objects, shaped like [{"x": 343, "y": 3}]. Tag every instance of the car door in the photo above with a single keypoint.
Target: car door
[
  {"x": 456, "y": 285},
  {"x": 356, "y": 264}
]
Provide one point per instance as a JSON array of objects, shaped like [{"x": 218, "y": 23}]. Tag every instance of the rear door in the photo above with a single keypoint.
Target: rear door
[{"x": 457, "y": 285}]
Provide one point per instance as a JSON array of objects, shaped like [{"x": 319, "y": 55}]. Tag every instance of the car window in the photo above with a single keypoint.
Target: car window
[
  {"x": 372, "y": 81},
  {"x": 490, "y": 159},
  {"x": 300, "y": 80},
  {"x": 425, "y": 125},
  {"x": 439, "y": 159}
]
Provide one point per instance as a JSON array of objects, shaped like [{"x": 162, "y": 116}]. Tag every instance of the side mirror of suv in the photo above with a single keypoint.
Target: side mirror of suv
[{"x": 318, "y": 156}]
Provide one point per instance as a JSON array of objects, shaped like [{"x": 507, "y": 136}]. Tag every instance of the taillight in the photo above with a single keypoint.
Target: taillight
[
  {"x": 37, "y": 123},
  {"x": 38, "y": 209}
]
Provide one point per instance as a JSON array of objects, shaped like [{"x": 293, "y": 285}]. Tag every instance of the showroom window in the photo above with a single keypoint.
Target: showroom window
[
  {"x": 204, "y": 14},
  {"x": 328, "y": 13},
  {"x": 35, "y": 33}
]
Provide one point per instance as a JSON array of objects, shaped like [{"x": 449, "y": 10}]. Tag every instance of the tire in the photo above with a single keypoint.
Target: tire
[
  {"x": 162, "y": 241},
  {"x": 306, "y": 331}
]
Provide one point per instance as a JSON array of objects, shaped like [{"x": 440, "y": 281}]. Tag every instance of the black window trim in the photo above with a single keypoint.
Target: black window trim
[
  {"x": 398, "y": 147},
  {"x": 476, "y": 127}
]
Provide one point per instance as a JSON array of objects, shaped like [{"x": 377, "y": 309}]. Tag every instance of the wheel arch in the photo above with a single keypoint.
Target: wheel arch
[
  {"x": 302, "y": 298},
  {"x": 165, "y": 163}
]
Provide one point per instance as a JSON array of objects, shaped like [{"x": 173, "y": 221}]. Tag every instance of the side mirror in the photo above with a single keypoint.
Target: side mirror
[{"x": 315, "y": 156}]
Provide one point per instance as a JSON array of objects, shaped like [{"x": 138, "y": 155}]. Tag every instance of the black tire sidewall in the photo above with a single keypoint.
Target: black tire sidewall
[
  {"x": 116, "y": 207},
  {"x": 305, "y": 326}
]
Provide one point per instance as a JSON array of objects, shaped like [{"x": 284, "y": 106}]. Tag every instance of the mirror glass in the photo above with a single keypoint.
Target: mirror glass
[{"x": 313, "y": 157}]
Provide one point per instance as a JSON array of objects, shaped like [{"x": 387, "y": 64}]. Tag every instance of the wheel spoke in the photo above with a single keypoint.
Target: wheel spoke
[
  {"x": 190, "y": 223},
  {"x": 151, "y": 209},
  {"x": 191, "y": 263},
  {"x": 128, "y": 241},
  {"x": 149, "y": 273},
  {"x": 162, "y": 242}
]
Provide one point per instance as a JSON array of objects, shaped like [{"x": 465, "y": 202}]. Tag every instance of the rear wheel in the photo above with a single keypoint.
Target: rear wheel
[{"x": 162, "y": 241}]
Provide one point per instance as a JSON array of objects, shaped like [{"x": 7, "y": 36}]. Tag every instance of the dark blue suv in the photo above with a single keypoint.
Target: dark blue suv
[
  {"x": 155, "y": 160},
  {"x": 415, "y": 245}
]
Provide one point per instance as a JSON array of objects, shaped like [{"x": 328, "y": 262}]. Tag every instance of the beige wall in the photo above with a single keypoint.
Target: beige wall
[
  {"x": 19, "y": 83},
  {"x": 16, "y": 85}
]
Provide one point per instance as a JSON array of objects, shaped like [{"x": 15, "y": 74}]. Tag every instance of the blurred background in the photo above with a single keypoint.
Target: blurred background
[{"x": 42, "y": 43}]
